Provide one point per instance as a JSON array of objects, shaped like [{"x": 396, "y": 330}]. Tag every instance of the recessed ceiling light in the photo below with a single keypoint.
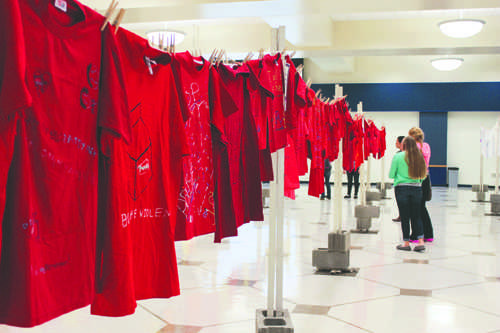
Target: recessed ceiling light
[
  {"x": 447, "y": 64},
  {"x": 165, "y": 37},
  {"x": 461, "y": 28}
]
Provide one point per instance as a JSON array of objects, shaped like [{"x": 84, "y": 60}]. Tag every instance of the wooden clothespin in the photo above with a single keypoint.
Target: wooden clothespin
[
  {"x": 219, "y": 56},
  {"x": 327, "y": 100},
  {"x": 248, "y": 57},
  {"x": 318, "y": 92},
  {"x": 161, "y": 42},
  {"x": 211, "y": 59},
  {"x": 308, "y": 83},
  {"x": 109, "y": 12},
  {"x": 261, "y": 54},
  {"x": 300, "y": 68},
  {"x": 118, "y": 19},
  {"x": 292, "y": 54}
]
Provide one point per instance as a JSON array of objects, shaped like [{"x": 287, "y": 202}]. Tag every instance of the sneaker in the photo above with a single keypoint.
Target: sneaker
[
  {"x": 419, "y": 248},
  {"x": 321, "y": 198},
  {"x": 397, "y": 219},
  {"x": 355, "y": 196},
  {"x": 328, "y": 198},
  {"x": 348, "y": 196}
]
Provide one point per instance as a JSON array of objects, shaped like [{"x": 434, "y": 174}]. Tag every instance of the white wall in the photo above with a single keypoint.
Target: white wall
[{"x": 463, "y": 145}]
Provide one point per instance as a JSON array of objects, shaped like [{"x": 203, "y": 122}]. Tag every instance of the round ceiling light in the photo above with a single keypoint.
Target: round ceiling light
[
  {"x": 461, "y": 28},
  {"x": 447, "y": 64},
  {"x": 165, "y": 37}
]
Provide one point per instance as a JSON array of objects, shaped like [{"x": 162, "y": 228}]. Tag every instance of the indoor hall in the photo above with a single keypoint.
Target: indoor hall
[{"x": 87, "y": 230}]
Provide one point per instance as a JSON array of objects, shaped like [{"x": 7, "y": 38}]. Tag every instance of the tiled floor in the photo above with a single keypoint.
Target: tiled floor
[{"x": 453, "y": 287}]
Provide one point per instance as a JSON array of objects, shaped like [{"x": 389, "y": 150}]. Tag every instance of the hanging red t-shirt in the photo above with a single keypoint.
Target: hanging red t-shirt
[
  {"x": 269, "y": 71},
  {"x": 49, "y": 241},
  {"x": 233, "y": 129},
  {"x": 317, "y": 139},
  {"x": 259, "y": 94},
  {"x": 300, "y": 134},
  {"x": 142, "y": 181},
  {"x": 205, "y": 198},
  {"x": 14, "y": 94},
  {"x": 381, "y": 143}
]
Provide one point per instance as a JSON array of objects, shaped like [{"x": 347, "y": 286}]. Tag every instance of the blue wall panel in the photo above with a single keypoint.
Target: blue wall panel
[
  {"x": 422, "y": 97},
  {"x": 435, "y": 127}
]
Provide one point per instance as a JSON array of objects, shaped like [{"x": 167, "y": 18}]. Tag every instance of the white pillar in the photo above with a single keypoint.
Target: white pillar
[{"x": 337, "y": 187}]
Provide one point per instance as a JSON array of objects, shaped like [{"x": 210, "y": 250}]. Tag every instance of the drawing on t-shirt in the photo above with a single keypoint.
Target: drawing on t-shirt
[
  {"x": 42, "y": 80},
  {"x": 197, "y": 191},
  {"x": 140, "y": 155}
]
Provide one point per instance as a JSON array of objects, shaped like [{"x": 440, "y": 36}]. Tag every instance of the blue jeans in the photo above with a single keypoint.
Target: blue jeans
[{"x": 409, "y": 199}]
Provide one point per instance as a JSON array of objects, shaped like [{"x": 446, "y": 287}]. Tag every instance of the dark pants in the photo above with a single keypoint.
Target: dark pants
[
  {"x": 353, "y": 175},
  {"x": 328, "y": 173},
  {"x": 426, "y": 219},
  {"x": 409, "y": 199}
]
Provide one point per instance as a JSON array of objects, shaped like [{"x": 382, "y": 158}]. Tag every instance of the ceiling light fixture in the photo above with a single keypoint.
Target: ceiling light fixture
[
  {"x": 461, "y": 28},
  {"x": 446, "y": 64},
  {"x": 165, "y": 37}
]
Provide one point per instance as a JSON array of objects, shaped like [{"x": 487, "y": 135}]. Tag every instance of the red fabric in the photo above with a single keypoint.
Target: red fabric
[
  {"x": 14, "y": 94},
  {"x": 317, "y": 140},
  {"x": 266, "y": 165},
  {"x": 269, "y": 71},
  {"x": 291, "y": 170},
  {"x": 205, "y": 190},
  {"x": 381, "y": 143},
  {"x": 142, "y": 181},
  {"x": 49, "y": 241},
  {"x": 234, "y": 133},
  {"x": 300, "y": 134},
  {"x": 352, "y": 145}
]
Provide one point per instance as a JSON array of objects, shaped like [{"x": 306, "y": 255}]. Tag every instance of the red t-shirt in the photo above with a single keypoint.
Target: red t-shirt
[
  {"x": 269, "y": 71},
  {"x": 259, "y": 95},
  {"x": 233, "y": 129},
  {"x": 14, "y": 93},
  {"x": 49, "y": 241},
  {"x": 142, "y": 181},
  {"x": 317, "y": 140},
  {"x": 206, "y": 190}
]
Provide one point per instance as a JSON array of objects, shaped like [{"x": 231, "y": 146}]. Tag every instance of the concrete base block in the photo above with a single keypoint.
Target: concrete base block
[
  {"x": 495, "y": 203},
  {"x": 479, "y": 188},
  {"x": 340, "y": 242},
  {"x": 364, "y": 223},
  {"x": 388, "y": 186},
  {"x": 278, "y": 322},
  {"x": 480, "y": 196},
  {"x": 366, "y": 211},
  {"x": 373, "y": 196},
  {"x": 327, "y": 260}
]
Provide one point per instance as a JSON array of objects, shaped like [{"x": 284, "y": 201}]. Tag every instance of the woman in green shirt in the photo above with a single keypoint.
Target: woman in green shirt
[{"x": 408, "y": 169}]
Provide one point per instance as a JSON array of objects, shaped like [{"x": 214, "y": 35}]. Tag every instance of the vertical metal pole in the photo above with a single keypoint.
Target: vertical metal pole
[
  {"x": 271, "y": 279},
  {"x": 337, "y": 202},
  {"x": 281, "y": 191},
  {"x": 497, "y": 151}
]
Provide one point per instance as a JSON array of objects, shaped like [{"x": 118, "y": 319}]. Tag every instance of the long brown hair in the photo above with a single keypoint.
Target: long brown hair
[
  {"x": 417, "y": 134},
  {"x": 417, "y": 169}
]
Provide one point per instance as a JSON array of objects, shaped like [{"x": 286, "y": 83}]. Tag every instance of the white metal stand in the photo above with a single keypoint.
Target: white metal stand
[
  {"x": 275, "y": 318},
  {"x": 364, "y": 212},
  {"x": 335, "y": 258}
]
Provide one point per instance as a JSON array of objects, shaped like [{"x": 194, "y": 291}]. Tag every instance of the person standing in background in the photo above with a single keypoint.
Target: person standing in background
[
  {"x": 328, "y": 172},
  {"x": 399, "y": 141},
  {"x": 418, "y": 135},
  {"x": 408, "y": 169},
  {"x": 352, "y": 176}
]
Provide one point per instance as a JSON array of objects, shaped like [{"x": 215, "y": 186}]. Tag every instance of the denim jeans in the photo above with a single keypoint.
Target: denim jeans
[
  {"x": 328, "y": 173},
  {"x": 409, "y": 199}
]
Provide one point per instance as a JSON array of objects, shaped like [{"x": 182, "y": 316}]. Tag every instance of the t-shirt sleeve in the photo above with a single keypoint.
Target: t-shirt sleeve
[
  {"x": 14, "y": 92},
  {"x": 301, "y": 91},
  {"x": 113, "y": 107},
  {"x": 222, "y": 104},
  {"x": 394, "y": 167}
]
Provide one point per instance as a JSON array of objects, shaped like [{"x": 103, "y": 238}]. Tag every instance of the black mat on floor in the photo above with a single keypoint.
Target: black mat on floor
[{"x": 344, "y": 272}]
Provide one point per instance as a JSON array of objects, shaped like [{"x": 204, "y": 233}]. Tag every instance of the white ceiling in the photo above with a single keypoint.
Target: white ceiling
[{"x": 342, "y": 41}]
